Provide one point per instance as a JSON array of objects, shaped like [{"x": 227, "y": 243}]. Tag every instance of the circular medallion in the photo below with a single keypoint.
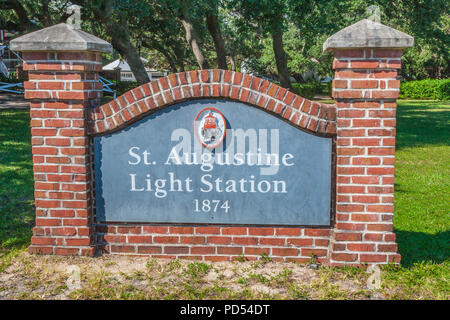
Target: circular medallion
[{"x": 210, "y": 127}]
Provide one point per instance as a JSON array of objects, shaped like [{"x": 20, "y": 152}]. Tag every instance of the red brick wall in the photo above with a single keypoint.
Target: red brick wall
[
  {"x": 64, "y": 94},
  {"x": 215, "y": 243},
  {"x": 365, "y": 90},
  {"x": 61, "y": 88}
]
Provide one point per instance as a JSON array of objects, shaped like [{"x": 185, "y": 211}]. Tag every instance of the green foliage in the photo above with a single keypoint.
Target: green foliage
[
  {"x": 422, "y": 61},
  {"x": 307, "y": 90},
  {"x": 12, "y": 78},
  {"x": 197, "y": 269},
  {"x": 246, "y": 27},
  {"x": 428, "y": 21},
  {"x": 426, "y": 89},
  {"x": 25, "y": 16},
  {"x": 312, "y": 23},
  {"x": 124, "y": 86},
  {"x": 265, "y": 258},
  {"x": 310, "y": 89},
  {"x": 266, "y": 15}
]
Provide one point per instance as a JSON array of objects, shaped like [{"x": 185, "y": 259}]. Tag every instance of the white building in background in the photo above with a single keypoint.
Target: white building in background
[{"x": 127, "y": 75}]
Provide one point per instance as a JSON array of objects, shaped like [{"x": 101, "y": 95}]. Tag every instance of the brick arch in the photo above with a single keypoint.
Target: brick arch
[{"x": 312, "y": 116}]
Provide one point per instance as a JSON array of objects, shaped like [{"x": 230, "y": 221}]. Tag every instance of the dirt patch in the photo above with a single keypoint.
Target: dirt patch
[{"x": 122, "y": 277}]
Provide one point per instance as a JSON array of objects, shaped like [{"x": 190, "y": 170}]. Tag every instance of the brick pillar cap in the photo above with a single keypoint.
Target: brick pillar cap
[
  {"x": 368, "y": 34},
  {"x": 60, "y": 37}
]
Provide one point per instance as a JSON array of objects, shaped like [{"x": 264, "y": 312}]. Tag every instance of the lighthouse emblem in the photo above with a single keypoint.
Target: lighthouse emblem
[{"x": 210, "y": 127}]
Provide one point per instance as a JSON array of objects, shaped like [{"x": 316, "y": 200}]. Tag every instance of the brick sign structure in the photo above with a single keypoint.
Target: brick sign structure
[{"x": 107, "y": 178}]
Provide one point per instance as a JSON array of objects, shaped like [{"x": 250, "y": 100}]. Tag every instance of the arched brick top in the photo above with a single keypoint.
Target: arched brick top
[{"x": 136, "y": 103}]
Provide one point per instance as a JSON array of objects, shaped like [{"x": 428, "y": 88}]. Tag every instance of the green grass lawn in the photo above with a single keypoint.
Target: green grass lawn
[
  {"x": 422, "y": 186},
  {"x": 422, "y": 197},
  {"x": 16, "y": 180}
]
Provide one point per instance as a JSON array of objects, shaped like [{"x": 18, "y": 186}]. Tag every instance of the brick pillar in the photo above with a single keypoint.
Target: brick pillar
[
  {"x": 63, "y": 84},
  {"x": 365, "y": 89}
]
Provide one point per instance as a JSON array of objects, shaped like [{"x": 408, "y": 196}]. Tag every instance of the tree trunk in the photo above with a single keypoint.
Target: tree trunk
[
  {"x": 192, "y": 38},
  {"x": 120, "y": 38},
  {"x": 46, "y": 19},
  {"x": 179, "y": 57},
  {"x": 173, "y": 66},
  {"x": 213, "y": 27},
  {"x": 281, "y": 59},
  {"x": 154, "y": 45},
  {"x": 232, "y": 62}
]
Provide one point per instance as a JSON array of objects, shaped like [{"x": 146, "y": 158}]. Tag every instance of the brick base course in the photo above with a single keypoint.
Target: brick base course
[{"x": 215, "y": 243}]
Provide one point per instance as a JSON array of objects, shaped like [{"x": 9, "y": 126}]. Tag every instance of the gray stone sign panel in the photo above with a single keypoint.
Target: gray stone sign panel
[{"x": 262, "y": 170}]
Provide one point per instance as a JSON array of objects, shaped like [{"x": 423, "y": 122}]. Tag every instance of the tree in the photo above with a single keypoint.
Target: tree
[
  {"x": 191, "y": 34},
  {"x": 242, "y": 40},
  {"x": 114, "y": 17},
  {"x": 429, "y": 22},
  {"x": 194, "y": 15},
  {"x": 163, "y": 33},
  {"x": 24, "y": 22},
  {"x": 277, "y": 38},
  {"x": 32, "y": 14},
  {"x": 269, "y": 15},
  {"x": 212, "y": 22}
]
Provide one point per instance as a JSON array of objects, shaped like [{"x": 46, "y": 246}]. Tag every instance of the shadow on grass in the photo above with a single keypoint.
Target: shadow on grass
[
  {"x": 16, "y": 179},
  {"x": 418, "y": 246},
  {"x": 423, "y": 123}
]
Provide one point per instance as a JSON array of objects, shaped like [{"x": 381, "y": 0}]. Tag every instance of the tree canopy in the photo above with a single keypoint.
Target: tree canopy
[{"x": 279, "y": 39}]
